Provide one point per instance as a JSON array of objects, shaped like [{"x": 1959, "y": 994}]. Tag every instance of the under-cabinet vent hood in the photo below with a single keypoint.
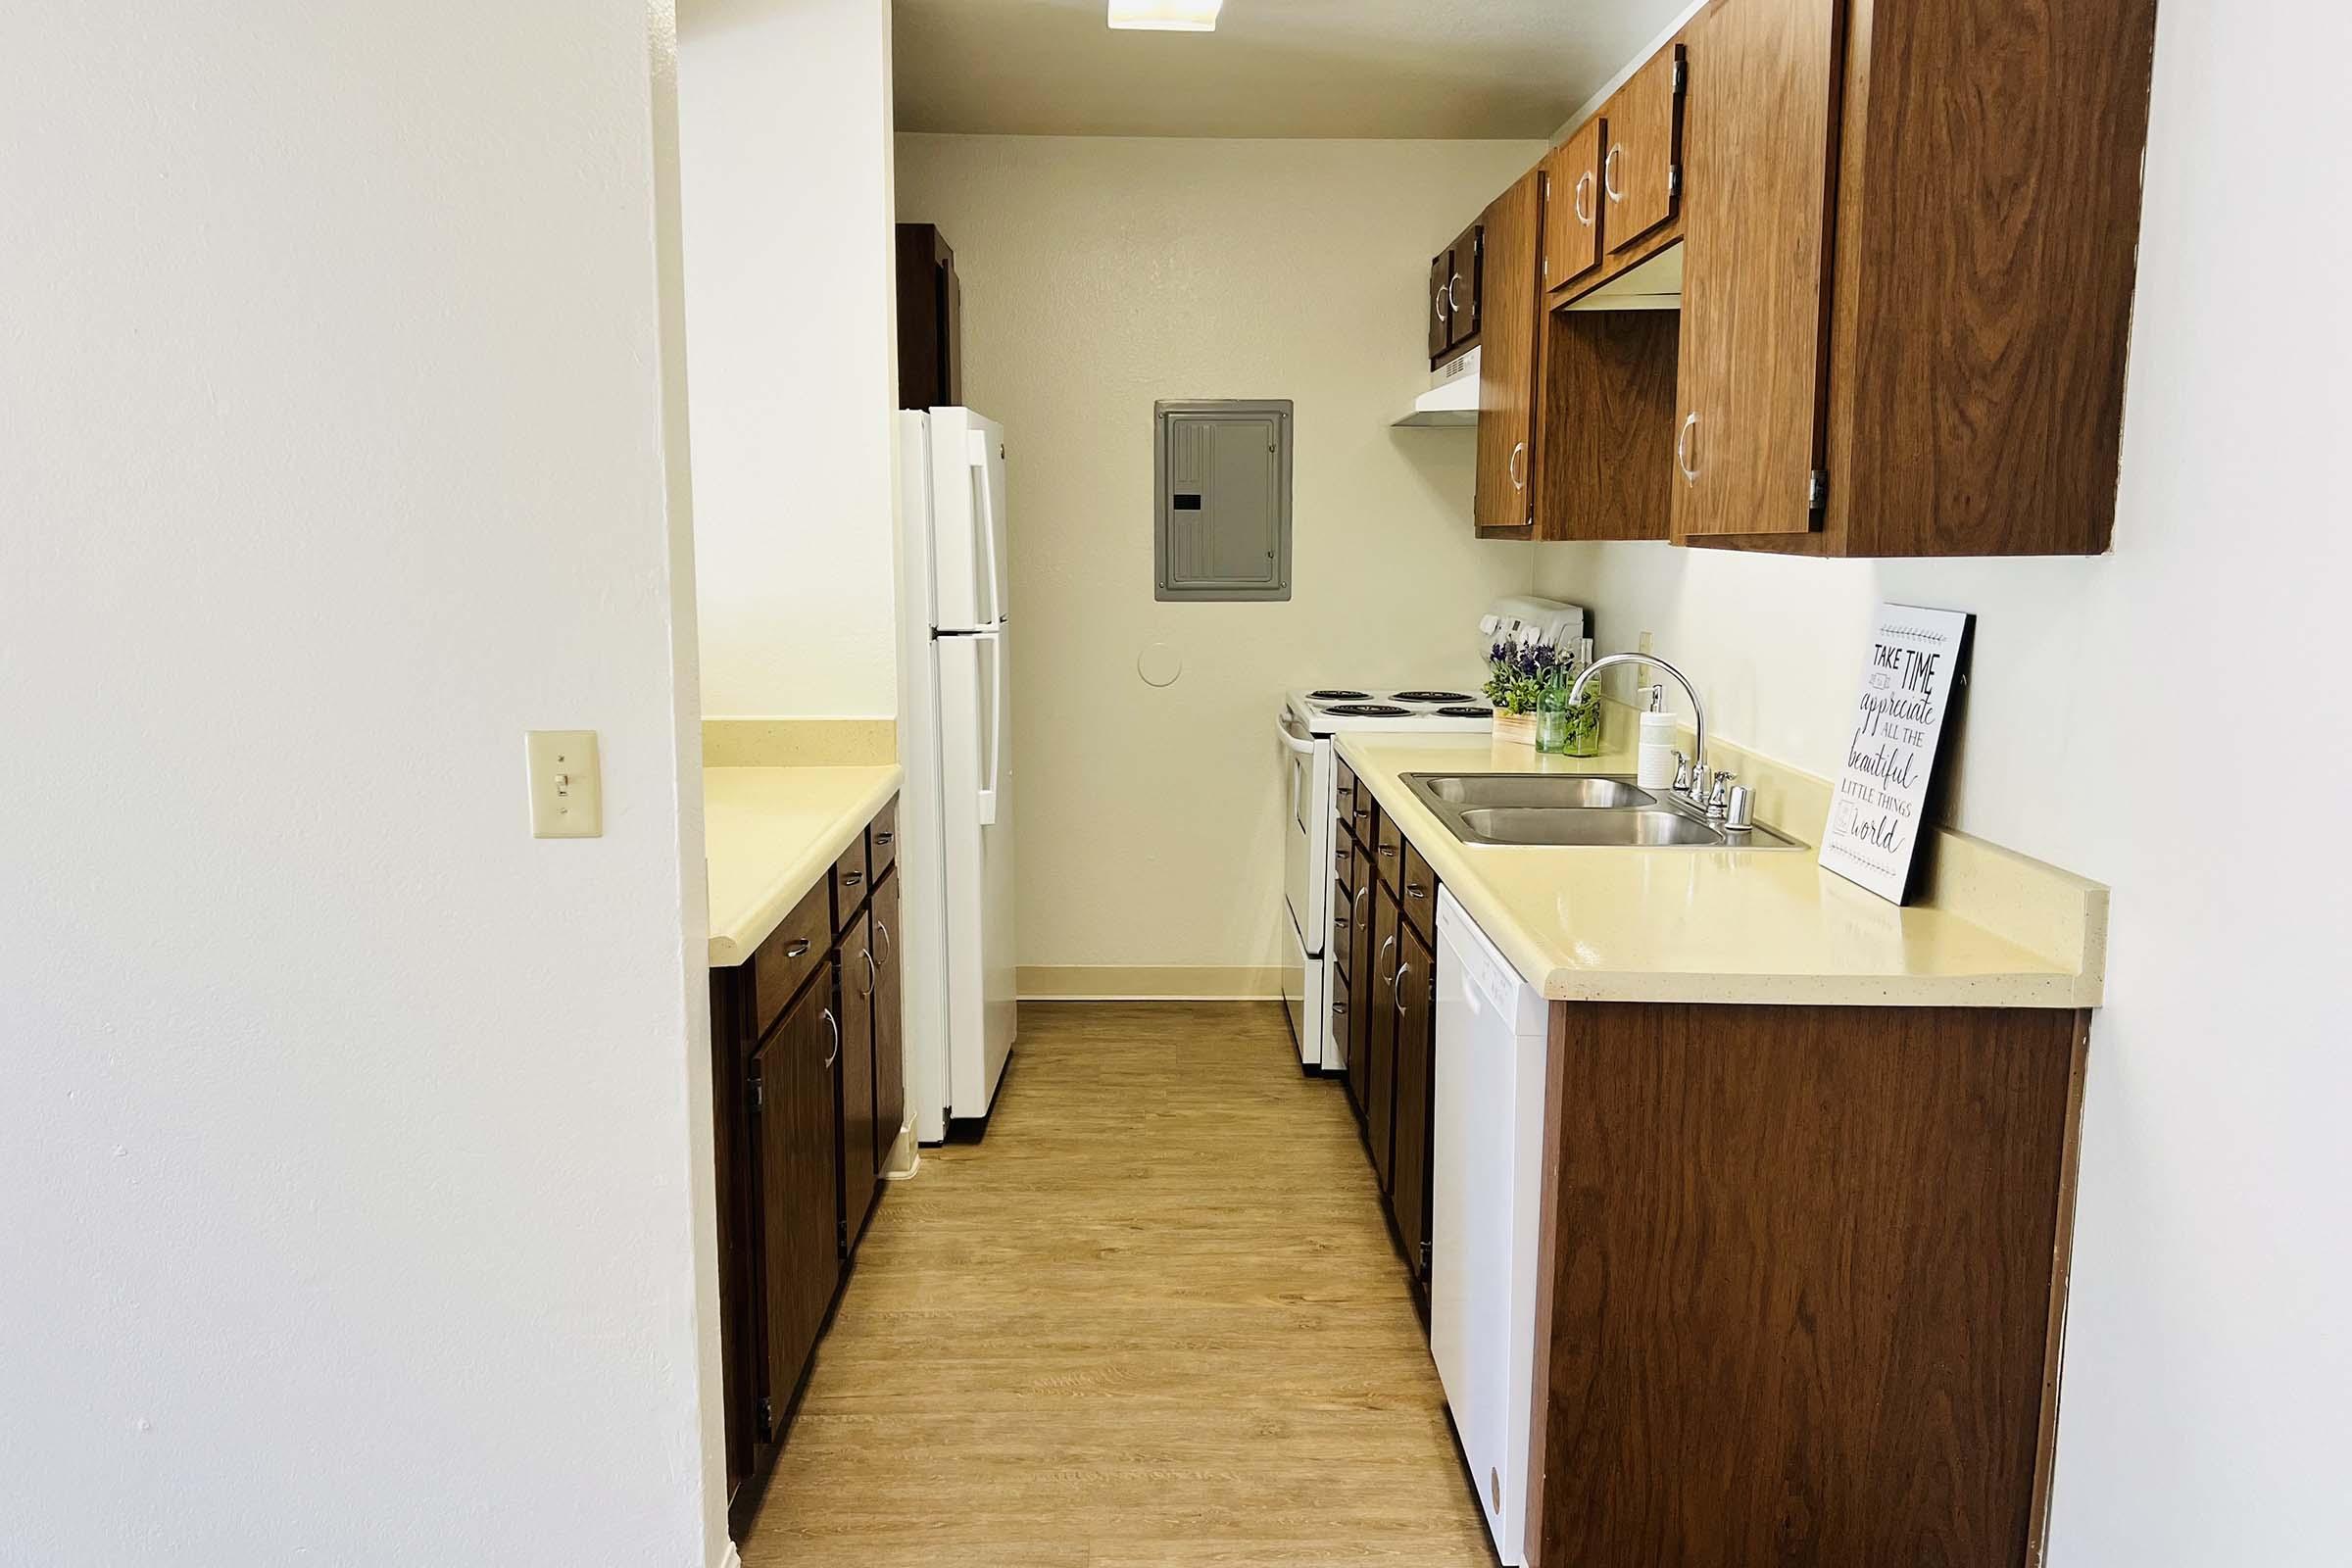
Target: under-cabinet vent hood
[{"x": 1451, "y": 398}]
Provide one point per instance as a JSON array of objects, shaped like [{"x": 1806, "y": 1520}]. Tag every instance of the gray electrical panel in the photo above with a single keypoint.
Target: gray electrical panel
[{"x": 1222, "y": 467}]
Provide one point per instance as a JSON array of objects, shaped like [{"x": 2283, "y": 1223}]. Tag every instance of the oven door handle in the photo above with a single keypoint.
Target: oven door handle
[{"x": 1289, "y": 738}]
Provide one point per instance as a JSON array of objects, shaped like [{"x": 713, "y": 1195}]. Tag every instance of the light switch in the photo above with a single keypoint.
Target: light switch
[{"x": 568, "y": 789}]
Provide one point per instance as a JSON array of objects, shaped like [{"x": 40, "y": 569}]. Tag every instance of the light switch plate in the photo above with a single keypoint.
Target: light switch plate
[{"x": 568, "y": 786}]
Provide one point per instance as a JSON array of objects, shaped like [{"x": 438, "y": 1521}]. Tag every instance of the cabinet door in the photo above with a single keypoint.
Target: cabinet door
[
  {"x": 861, "y": 978},
  {"x": 1506, "y": 370},
  {"x": 1416, "y": 1065},
  {"x": 1465, "y": 283},
  {"x": 1641, "y": 172},
  {"x": 1379, "y": 1116},
  {"x": 1572, "y": 205},
  {"x": 1749, "y": 380},
  {"x": 890, "y": 1024},
  {"x": 1360, "y": 947},
  {"x": 1441, "y": 312},
  {"x": 795, "y": 1133}
]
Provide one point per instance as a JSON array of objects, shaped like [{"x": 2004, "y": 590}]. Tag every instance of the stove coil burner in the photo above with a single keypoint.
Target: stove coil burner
[
  {"x": 1337, "y": 696},
  {"x": 1465, "y": 712},
  {"x": 1432, "y": 696},
  {"x": 1369, "y": 710}
]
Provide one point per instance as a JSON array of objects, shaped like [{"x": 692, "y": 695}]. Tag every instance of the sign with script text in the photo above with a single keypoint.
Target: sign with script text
[{"x": 1878, "y": 812}]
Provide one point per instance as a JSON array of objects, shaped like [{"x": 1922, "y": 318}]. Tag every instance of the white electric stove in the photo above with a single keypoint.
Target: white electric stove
[{"x": 1309, "y": 718}]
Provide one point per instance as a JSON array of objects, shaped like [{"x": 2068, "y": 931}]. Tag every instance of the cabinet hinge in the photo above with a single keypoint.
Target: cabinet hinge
[
  {"x": 767, "y": 1419},
  {"x": 1817, "y": 493},
  {"x": 758, "y": 1093},
  {"x": 1674, "y": 180},
  {"x": 841, "y": 1228}
]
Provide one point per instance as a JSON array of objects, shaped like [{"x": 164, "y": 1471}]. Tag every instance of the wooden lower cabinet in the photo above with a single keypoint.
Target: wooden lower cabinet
[
  {"x": 1799, "y": 1283},
  {"x": 890, "y": 1021},
  {"x": 860, "y": 1170},
  {"x": 1409, "y": 1193},
  {"x": 809, "y": 1092},
  {"x": 795, "y": 1094},
  {"x": 1380, "y": 1084}
]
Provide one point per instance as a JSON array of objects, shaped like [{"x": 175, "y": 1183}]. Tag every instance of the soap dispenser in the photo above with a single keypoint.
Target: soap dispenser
[{"x": 1653, "y": 762}]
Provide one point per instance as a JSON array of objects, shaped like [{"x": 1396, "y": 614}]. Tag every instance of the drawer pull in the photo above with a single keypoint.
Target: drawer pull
[
  {"x": 798, "y": 946},
  {"x": 849, "y": 879},
  {"x": 884, "y": 838},
  {"x": 1388, "y": 849},
  {"x": 1414, "y": 890},
  {"x": 1338, "y": 1005}
]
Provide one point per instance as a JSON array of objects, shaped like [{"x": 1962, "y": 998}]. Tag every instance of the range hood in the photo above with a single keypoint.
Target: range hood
[{"x": 1451, "y": 398}]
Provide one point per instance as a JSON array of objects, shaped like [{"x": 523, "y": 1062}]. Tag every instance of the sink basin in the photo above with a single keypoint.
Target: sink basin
[
  {"x": 1571, "y": 809},
  {"x": 1582, "y": 792},
  {"x": 1538, "y": 825}
]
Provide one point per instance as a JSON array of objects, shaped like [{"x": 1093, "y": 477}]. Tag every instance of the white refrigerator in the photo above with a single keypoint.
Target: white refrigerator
[{"x": 956, "y": 743}]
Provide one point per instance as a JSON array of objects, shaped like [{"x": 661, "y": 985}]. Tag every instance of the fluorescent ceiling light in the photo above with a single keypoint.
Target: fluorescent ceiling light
[{"x": 1167, "y": 16}]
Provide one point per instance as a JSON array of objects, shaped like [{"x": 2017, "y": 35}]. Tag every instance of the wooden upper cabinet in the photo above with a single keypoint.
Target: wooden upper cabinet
[
  {"x": 1748, "y": 435},
  {"x": 1440, "y": 313},
  {"x": 1572, "y": 201},
  {"x": 1506, "y": 376},
  {"x": 1907, "y": 273},
  {"x": 1641, "y": 165},
  {"x": 1464, "y": 283}
]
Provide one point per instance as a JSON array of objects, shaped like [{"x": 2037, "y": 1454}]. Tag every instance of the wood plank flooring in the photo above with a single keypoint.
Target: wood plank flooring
[{"x": 1154, "y": 1320}]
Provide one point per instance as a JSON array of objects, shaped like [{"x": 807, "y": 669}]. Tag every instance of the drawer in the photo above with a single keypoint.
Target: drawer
[
  {"x": 849, "y": 883},
  {"x": 1362, "y": 805},
  {"x": 1388, "y": 849},
  {"x": 1419, "y": 895},
  {"x": 882, "y": 842},
  {"x": 1343, "y": 794},
  {"x": 792, "y": 954}
]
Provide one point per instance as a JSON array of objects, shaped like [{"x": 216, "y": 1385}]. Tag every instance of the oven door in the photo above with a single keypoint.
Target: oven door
[{"x": 1307, "y": 786}]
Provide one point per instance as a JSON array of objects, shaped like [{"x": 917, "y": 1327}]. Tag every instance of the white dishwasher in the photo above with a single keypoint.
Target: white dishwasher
[{"x": 1487, "y": 1129}]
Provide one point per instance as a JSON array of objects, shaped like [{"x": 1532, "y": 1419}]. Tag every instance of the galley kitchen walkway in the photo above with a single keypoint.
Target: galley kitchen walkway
[{"x": 1154, "y": 1320}]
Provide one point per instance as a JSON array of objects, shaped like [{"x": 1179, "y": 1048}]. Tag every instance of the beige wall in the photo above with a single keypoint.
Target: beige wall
[{"x": 1099, "y": 276}]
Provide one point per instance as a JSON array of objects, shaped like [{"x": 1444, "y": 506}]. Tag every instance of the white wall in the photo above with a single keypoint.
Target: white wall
[
  {"x": 2119, "y": 707},
  {"x": 790, "y": 290},
  {"x": 350, "y": 1139},
  {"x": 1100, "y": 275}
]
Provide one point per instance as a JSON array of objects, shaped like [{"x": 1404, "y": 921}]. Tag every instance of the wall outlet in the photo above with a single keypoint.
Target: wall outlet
[{"x": 567, "y": 786}]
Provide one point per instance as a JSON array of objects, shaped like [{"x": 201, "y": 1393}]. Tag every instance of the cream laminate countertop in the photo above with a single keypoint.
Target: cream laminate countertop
[
  {"x": 1608, "y": 925},
  {"x": 768, "y": 833}
]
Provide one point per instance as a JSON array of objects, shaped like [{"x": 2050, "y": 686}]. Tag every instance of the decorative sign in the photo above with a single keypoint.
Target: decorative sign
[{"x": 1880, "y": 805}]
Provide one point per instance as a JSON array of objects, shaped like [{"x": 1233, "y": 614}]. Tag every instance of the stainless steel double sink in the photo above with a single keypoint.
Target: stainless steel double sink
[{"x": 1596, "y": 810}]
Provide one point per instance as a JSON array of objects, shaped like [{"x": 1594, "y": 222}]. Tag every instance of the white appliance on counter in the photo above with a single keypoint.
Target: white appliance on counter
[
  {"x": 956, "y": 743},
  {"x": 1487, "y": 1180},
  {"x": 1306, "y": 726}
]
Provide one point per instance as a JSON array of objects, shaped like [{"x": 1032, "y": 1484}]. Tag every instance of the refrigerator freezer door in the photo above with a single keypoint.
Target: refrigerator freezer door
[
  {"x": 922, "y": 833},
  {"x": 976, "y": 819},
  {"x": 967, "y": 520}
]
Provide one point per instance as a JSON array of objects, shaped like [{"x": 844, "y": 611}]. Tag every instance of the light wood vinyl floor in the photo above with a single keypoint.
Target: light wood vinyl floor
[{"x": 1153, "y": 1319}]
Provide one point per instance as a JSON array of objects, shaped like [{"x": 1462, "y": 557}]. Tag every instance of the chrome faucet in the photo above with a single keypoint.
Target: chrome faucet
[{"x": 1698, "y": 790}]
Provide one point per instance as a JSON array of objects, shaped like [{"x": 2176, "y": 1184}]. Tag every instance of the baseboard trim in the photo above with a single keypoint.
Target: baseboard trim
[{"x": 1151, "y": 982}]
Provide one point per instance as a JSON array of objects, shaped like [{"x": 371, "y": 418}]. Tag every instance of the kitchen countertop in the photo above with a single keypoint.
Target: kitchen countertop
[
  {"x": 768, "y": 834},
  {"x": 1611, "y": 924}
]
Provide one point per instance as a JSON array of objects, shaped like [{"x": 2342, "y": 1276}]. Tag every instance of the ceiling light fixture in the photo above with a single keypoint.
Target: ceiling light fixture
[{"x": 1167, "y": 16}]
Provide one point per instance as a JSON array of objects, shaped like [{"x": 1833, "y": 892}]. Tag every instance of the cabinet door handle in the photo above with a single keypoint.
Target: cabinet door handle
[
  {"x": 833, "y": 1024},
  {"x": 882, "y": 933},
  {"x": 1361, "y": 893},
  {"x": 873, "y": 973},
  {"x": 1453, "y": 293},
  {"x": 1383, "y": 952},
  {"x": 1439, "y": 307},
  {"x": 1583, "y": 198},
  {"x": 1518, "y": 451},
  {"x": 1681, "y": 450},
  {"x": 1398, "y": 985},
  {"x": 1608, "y": 173}
]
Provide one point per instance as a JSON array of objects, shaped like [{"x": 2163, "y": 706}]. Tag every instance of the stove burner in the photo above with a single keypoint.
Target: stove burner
[
  {"x": 1430, "y": 697},
  {"x": 1369, "y": 710},
  {"x": 1465, "y": 712},
  {"x": 1337, "y": 694}
]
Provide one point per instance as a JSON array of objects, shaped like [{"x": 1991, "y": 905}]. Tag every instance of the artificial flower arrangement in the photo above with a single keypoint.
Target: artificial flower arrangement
[{"x": 1524, "y": 678}]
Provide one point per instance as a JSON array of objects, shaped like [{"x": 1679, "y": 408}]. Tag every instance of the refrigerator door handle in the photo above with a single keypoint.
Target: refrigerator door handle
[
  {"x": 985, "y": 470},
  {"x": 996, "y": 726}
]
